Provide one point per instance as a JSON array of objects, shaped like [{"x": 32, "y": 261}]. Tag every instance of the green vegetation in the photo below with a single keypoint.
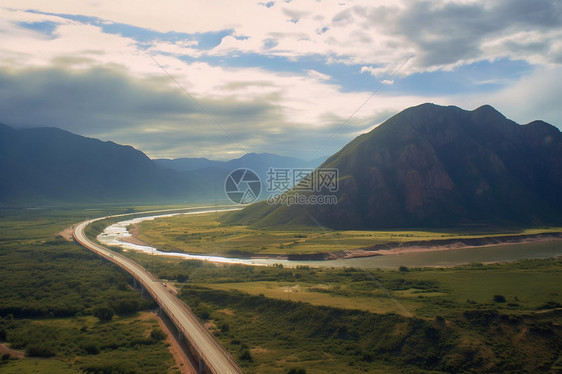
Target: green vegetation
[
  {"x": 56, "y": 299},
  {"x": 274, "y": 319},
  {"x": 206, "y": 234},
  {"x": 270, "y": 335},
  {"x": 71, "y": 312}
]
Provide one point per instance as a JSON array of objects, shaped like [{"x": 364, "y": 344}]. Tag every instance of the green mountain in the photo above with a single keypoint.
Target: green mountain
[{"x": 436, "y": 166}]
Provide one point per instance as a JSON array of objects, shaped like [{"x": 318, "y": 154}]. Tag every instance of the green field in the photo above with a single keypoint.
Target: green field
[
  {"x": 206, "y": 234},
  {"x": 474, "y": 318},
  {"x": 50, "y": 290}
]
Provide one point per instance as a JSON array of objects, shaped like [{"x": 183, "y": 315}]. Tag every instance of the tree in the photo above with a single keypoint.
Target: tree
[
  {"x": 103, "y": 313},
  {"x": 499, "y": 298},
  {"x": 157, "y": 334}
]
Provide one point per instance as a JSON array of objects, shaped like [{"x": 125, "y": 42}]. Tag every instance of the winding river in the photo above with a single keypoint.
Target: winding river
[{"x": 116, "y": 234}]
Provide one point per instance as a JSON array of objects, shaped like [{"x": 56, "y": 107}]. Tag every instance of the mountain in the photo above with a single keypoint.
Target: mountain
[
  {"x": 188, "y": 164},
  {"x": 258, "y": 162},
  {"x": 50, "y": 165},
  {"x": 46, "y": 165},
  {"x": 436, "y": 166}
]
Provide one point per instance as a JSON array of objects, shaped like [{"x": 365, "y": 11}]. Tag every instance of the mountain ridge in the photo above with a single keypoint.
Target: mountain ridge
[
  {"x": 431, "y": 165},
  {"x": 48, "y": 165}
]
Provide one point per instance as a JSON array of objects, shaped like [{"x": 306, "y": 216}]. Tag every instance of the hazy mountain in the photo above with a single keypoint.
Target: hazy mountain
[
  {"x": 188, "y": 164},
  {"x": 53, "y": 165},
  {"x": 438, "y": 166},
  {"x": 49, "y": 165},
  {"x": 258, "y": 162}
]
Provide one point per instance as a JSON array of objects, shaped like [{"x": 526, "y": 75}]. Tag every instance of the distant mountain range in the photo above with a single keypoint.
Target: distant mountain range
[
  {"x": 260, "y": 163},
  {"x": 50, "y": 165},
  {"x": 436, "y": 166}
]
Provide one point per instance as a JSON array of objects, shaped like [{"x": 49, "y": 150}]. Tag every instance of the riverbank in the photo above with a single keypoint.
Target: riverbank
[{"x": 390, "y": 248}]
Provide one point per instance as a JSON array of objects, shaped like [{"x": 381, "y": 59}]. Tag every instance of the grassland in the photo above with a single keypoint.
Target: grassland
[
  {"x": 474, "y": 318},
  {"x": 206, "y": 234},
  {"x": 50, "y": 290}
]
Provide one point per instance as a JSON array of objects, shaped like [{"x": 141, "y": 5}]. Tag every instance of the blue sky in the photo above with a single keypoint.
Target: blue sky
[{"x": 216, "y": 80}]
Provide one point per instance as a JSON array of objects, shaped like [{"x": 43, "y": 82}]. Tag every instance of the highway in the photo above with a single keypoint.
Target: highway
[{"x": 216, "y": 358}]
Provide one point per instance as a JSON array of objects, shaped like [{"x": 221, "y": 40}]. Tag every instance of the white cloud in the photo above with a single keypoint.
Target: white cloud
[
  {"x": 533, "y": 97},
  {"x": 389, "y": 39}
]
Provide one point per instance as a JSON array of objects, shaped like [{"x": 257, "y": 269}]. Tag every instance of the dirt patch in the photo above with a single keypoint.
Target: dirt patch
[
  {"x": 11, "y": 352},
  {"x": 258, "y": 350},
  {"x": 228, "y": 312},
  {"x": 185, "y": 365},
  {"x": 67, "y": 233}
]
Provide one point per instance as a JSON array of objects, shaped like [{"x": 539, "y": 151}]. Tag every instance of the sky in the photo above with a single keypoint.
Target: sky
[{"x": 302, "y": 78}]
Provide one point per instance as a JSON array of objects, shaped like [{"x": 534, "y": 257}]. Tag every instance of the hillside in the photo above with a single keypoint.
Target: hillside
[
  {"x": 49, "y": 165},
  {"x": 437, "y": 166}
]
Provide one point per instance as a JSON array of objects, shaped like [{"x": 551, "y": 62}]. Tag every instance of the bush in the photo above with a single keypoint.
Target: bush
[
  {"x": 296, "y": 371},
  {"x": 157, "y": 334},
  {"x": 245, "y": 355},
  {"x": 91, "y": 348},
  {"x": 39, "y": 350},
  {"x": 547, "y": 305},
  {"x": 103, "y": 313},
  {"x": 499, "y": 298}
]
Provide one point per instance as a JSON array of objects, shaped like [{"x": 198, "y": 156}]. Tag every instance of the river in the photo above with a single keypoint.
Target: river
[{"x": 113, "y": 235}]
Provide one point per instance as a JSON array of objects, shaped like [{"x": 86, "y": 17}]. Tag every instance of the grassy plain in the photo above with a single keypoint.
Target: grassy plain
[
  {"x": 473, "y": 318},
  {"x": 50, "y": 289},
  {"x": 206, "y": 234}
]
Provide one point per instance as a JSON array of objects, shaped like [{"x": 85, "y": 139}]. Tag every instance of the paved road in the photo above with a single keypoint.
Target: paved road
[{"x": 217, "y": 359}]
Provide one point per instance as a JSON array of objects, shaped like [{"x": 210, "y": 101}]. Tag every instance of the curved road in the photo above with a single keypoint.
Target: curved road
[{"x": 216, "y": 358}]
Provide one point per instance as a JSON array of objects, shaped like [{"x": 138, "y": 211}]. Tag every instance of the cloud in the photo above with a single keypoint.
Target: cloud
[
  {"x": 279, "y": 77},
  {"x": 262, "y": 112},
  {"x": 445, "y": 34},
  {"x": 532, "y": 97},
  {"x": 440, "y": 34}
]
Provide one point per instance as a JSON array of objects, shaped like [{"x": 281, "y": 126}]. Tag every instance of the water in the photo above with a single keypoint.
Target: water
[{"x": 114, "y": 234}]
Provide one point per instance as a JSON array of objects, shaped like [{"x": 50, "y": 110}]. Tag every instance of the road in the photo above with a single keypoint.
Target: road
[{"x": 216, "y": 358}]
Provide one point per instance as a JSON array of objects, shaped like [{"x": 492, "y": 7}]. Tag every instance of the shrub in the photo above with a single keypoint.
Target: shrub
[
  {"x": 245, "y": 355},
  {"x": 225, "y": 327},
  {"x": 296, "y": 371},
  {"x": 499, "y": 298},
  {"x": 91, "y": 348},
  {"x": 39, "y": 350},
  {"x": 157, "y": 334},
  {"x": 547, "y": 305},
  {"x": 103, "y": 313}
]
